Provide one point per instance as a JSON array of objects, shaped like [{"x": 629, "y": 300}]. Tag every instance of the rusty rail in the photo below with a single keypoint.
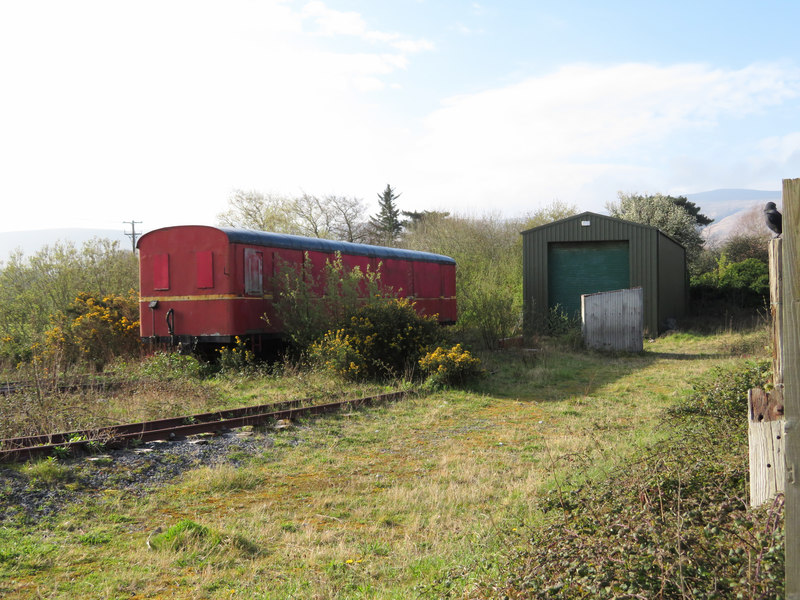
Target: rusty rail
[{"x": 117, "y": 436}]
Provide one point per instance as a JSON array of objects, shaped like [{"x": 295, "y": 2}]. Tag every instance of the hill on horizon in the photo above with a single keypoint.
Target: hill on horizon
[
  {"x": 722, "y": 203},
  {"x": 728, "y": 206}
]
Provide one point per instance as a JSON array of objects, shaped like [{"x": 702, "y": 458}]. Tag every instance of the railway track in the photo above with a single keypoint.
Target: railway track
[
  {"x": 16, "y": 387},
  {"x": 76, "y": 442}
]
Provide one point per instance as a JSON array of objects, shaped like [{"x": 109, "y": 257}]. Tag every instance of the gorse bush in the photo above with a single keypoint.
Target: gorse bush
[
  {"x": 379, "y": 340},
  {"x": 454, "y": 366},
  {"x": 742, "y": 284},
  {"x": 94, "y": 329},
  {"x": 36, "y": 289}
]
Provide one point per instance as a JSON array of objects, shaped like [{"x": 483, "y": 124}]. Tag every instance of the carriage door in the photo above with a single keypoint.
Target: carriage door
[{"x": 253, "y": 272}]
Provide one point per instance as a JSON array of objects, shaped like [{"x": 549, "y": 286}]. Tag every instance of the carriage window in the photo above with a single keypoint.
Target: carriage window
[
  {"x": 205, "y": 269},
  {"x": 161, "y": 271},
  {"x": 253, "y": 272}
]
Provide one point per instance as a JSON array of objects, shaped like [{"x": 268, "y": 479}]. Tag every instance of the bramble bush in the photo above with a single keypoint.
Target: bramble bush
[
  {"x": 454, "y": 366},
  {"x": 380, "y": 340}
]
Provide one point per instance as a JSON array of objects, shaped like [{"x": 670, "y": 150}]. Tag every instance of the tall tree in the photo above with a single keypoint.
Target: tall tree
[
  {"x": 387, "y": 224},
  {"x": 258, "y": 211},
  {"x": 331, "y": 217},
  {"x": 692, "y": 209},
  {"x": 662, "y": 212}
]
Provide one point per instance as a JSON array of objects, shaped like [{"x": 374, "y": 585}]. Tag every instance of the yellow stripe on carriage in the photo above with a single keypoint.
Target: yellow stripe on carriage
[{"x": 202, "y": 297}]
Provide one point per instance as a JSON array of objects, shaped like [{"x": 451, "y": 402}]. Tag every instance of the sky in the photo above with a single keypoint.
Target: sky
[{"x": 159, "y": 111}]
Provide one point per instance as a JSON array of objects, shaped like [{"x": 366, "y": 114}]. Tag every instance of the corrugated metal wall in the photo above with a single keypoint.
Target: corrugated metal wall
[
  {"x": 673, "y": 282},
  {"x": 613, "y": 320},
  {"x": 590, "y": 227}
]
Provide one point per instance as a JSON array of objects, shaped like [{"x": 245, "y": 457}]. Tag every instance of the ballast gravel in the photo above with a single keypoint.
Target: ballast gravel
[{"x": 137, "y": 471}]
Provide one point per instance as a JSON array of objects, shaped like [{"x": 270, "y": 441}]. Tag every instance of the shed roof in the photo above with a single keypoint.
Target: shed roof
[{"x": 586, "y": 214}]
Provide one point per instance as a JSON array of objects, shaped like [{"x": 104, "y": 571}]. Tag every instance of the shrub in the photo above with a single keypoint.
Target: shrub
[
  {"x": 455, "y": 366},
  {"x": 722, "y": 391},
  {"x": 742, "y": 284},
  {"x": 379, "y": 340},
  {"x": 493, "y": 309},
  {"x": 308, "y": 305},
  {"x": 95, "y": 329},
  {"x": 235, "y": 359}
]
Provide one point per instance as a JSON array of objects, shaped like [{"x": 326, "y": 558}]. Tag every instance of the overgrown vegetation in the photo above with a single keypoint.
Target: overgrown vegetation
[
  {"x": 673, "y": 523},
  {"x": 309, "y": 306},
  {"x": 560, "y": 471},
  {"x": 38, "y": 292}
]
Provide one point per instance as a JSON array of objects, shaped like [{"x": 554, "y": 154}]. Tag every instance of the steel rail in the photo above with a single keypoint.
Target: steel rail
[
  {"x": 14, "y": 387},
  {"x": 25, "y": 448}
]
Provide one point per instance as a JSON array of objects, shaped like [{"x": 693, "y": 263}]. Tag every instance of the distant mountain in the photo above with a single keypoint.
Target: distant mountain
[
  {"x": 719, "y": 204},
  {"x": 727, "y": 207},
  {"x": 31, "y": 242}
]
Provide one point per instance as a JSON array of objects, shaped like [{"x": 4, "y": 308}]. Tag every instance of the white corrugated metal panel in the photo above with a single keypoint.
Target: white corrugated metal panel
[{"x": 613, "y": 320}]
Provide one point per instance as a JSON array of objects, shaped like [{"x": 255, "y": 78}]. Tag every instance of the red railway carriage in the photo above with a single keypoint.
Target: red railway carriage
[{"x": 203, "y": 284}]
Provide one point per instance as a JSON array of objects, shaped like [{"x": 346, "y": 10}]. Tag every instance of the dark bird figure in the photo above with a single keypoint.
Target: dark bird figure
[{"x": 773, "y": 218}]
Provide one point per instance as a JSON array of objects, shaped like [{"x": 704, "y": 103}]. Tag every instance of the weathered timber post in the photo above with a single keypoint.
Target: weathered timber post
[
  {"x": 791, "y": 379},
  {"x": 765, "y": 438},
  {"x": 776, "y": 308},
  {"x": 765, "y": 425}
]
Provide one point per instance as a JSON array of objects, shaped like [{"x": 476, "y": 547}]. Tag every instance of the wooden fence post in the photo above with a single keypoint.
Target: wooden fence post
[
  {"x": 765, "y": 439},
  {"x": 766, "y": 425},
  {"x": 791, "y": 379},
  {"x": 776, "y": 308}
]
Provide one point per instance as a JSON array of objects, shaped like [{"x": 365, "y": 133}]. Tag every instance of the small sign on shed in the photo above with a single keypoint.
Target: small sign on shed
[{"x": 613, "y": 320}]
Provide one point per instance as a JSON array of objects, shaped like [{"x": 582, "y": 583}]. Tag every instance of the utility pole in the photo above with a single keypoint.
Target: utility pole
[{"x": 133, "y": 233}]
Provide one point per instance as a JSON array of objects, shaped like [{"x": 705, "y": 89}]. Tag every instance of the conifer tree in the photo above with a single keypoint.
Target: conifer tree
[{"x": 387, "y": 224}]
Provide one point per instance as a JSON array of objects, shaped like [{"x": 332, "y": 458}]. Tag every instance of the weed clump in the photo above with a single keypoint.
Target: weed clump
[
  {"x": 197, "y": 543},
  {"x": 170, "y": 366}
]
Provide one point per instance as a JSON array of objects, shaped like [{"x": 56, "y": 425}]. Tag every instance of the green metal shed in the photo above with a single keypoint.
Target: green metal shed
[{"x": 591, "y": 253}]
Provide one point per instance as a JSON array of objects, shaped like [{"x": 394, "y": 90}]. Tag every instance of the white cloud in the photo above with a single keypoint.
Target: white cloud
[
  {"x": 159, "y": 112},
  {"x": 331, "y": 22},
  {"x": 783, "y": 149},
  {"x": 156, "y": 113},
  {"x": 562, "y": 134},
  {"x": 335, "y": 22}
]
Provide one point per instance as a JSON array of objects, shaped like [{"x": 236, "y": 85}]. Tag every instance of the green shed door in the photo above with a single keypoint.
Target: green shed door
[{"x": 575, "y": 268}]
